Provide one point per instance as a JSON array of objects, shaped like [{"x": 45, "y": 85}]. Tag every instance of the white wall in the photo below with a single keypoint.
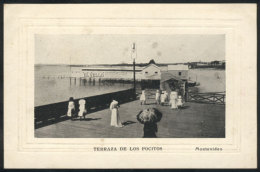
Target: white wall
[
  {"x": 184, "y": 73},
  {"x": 151, "y": 72}
]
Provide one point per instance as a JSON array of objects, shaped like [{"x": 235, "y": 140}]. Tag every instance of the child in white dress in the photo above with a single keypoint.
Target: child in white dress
[
  {"x": 179, "y": 102},
  {"x": 71, "y": 108},
  {"x": 143, "y": 98},
  {"x": 82, "y": 109}
]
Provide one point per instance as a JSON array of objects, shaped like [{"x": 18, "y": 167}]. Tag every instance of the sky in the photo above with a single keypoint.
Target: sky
[{"x": 114, "y": 49}]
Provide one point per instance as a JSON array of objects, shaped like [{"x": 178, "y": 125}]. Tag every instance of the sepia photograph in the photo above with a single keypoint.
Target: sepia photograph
[
  {"x": 133, "y": 85},
  {"x": 130, "y": 86}
]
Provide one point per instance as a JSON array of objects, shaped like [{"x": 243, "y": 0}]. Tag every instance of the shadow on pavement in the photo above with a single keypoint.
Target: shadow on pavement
[
  {"x": 185, "y": 107},
  {"x": 86, "y": 119},
  {"x": 128, "y": 123}
]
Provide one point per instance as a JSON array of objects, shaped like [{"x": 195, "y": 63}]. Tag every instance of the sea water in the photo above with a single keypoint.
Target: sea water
[
  {"x": 52, "y": 85},
  {"x": 210, "y": 80},
  {"x": 60, "y": 87}
]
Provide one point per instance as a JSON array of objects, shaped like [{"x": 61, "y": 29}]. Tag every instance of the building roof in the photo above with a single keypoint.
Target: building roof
[
  {"x": 151, "y": 65},
  {"x": 110, "y": 69},
  {"x": 178, "y": 67},
  {"x": 165, "y": 76},
  {"x": 138, "y": 69}
]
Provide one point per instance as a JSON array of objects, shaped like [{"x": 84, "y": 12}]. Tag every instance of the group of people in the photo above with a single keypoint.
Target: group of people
[
  {"x": 163, "y": 98},
  {"x": 174, "y": 100},
  {"x": 82, "y": 111}
]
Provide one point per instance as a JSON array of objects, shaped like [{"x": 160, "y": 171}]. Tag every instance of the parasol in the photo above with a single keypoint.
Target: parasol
[{"x": 150, "y": 115}]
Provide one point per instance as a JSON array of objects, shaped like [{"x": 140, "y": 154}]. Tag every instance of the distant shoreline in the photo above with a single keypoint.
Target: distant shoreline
[{"x": 129, "y": 65}]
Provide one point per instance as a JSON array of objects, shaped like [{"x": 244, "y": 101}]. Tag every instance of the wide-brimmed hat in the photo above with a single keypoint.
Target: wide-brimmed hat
[{"x": 151, "y": 115}]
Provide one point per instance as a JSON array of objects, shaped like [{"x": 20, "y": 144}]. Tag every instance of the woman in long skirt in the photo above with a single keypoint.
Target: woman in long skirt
[
  {"x": 163, "y": 98},
  {"x": 82, "y": 109},
  {"x": 115, "y": 118},
  {"x": 150, "y": 130},
  {"x": 173, "y": 100},
  {"x": 149, "y": 117},
  {"x": 166, "y": 97},
  {"x": 157, "y": 97},
  {"x": 71, "y": 108}
]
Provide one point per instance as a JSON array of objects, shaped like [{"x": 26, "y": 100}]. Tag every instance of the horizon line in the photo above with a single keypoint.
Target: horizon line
[{"x": 127, "y": 63}]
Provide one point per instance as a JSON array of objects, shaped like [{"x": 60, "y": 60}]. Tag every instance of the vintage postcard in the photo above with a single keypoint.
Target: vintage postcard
[{"x": 133, "y": 85}]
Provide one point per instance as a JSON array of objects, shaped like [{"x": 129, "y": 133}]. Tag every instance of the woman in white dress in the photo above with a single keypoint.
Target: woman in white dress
[
  {"x": 173, "y": 100},
  {"x": 166, "y": 97},
  {"x": 115, "y": 119},
  {"x": 71, "y": 108},
  {"x": 143, "y": 98},
  {"x": 163, "y": 98},
  {"x": 82, "y": 109},
  {"x": 157, "y": 97}
]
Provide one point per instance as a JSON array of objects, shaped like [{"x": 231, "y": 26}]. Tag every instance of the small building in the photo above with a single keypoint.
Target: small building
[
  {"x": 107, "y": 73},
  {"x": 215, "y": 63},
  {"x": 149, "y": 76},
  {"x": 180, "y": 71},
  {"x": 151, "y": 72},
  {"x": 202, "y": 65}
]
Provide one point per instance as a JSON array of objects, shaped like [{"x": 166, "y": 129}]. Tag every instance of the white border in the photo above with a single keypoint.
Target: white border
[{"x": 239, "y": 146}]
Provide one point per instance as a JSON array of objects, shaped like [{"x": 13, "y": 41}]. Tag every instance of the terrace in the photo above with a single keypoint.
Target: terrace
[{"x": 195, "y": 120}]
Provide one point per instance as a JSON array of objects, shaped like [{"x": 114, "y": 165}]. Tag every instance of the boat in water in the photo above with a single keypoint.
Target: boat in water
[{"x": 192, "y": 83}]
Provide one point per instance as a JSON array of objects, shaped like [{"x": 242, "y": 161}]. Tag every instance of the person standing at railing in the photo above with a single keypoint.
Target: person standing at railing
[
  {"x": 115, "y": 118},
  {"x": 71, "y": 108},
  {"x": 82, "y": 109}
]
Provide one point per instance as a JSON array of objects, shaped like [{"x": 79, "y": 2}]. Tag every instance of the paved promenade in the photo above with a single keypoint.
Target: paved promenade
[{"x": 195, "y": 120}]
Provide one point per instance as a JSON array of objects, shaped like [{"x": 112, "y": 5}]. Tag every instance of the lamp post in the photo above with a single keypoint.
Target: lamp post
[
  {"x": 133, "y": 56},
  {"x": 134, "y": 74}
]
